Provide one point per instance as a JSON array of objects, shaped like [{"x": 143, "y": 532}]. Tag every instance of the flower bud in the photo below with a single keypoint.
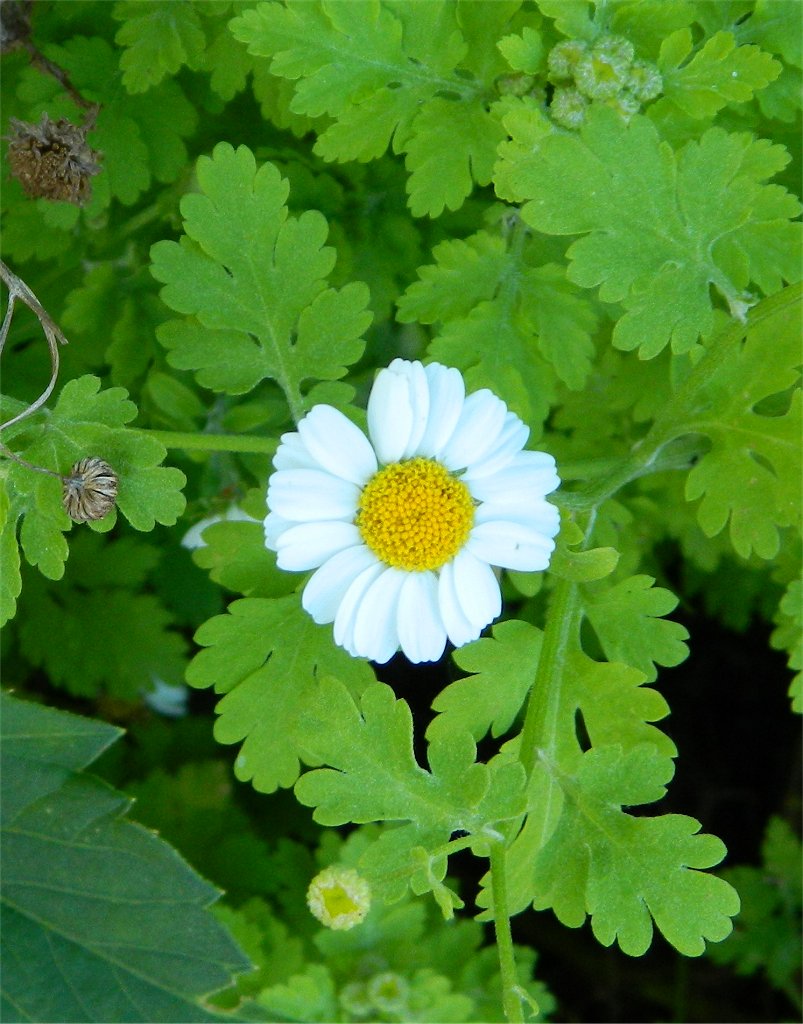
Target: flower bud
[
  {"x": 339, "y": 897},
  {"x": 90, "y": 490},
  {"x": 568, "y": 108},
  {"x": 563, "y": 59}
]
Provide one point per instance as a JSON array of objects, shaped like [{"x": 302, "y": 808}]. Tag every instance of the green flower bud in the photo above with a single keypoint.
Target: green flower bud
[
  {"x": 355, "y": 1000},
  {"x": 388, "y": 992},
  {"x": 563, "y": 58},
  {"x": 625, "y": 105},
  {"x": 617, "y": 50},
  {"x": 339, "y": 897},
  {"x": 568, "y": 108},
  {"x": 644, "y": 81}
]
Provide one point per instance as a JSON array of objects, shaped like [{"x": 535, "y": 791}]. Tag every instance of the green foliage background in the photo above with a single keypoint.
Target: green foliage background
[{"x": 290, "y": 195}]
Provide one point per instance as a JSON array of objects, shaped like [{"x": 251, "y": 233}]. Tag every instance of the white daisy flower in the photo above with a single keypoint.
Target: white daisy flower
[{"x": 403, "y": 529}]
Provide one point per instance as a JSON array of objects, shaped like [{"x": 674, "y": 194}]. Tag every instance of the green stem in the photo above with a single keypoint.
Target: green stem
[
  {"x": 541, "y": 719},
  {"x": 511, "y": 1001},
  {"x": 213, "y": 442}
]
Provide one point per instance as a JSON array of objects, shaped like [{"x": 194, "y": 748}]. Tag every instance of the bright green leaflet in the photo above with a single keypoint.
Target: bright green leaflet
[
  {"x": 750, "y": 478},
  {"x": 718, "y": 74},
  {"x": 102, "y": 920},
  {"x": 622, "y": 870},
  {"x": 659, "y": 227},
  {"x": 484, "y": 278},
  {"x": 253, "y": 279},
  {"x": 159, "y": 37},
  {"x": 381, "y": 72},
  {"x": 264, "y": 655}
]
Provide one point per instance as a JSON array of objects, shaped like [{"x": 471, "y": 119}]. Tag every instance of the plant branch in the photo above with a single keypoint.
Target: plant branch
[
  {"x": 511, "y": 999},
  {"x": 241, "y": 443}
]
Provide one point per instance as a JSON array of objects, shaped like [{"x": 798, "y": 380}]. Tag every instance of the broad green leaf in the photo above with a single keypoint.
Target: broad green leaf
[
  {"x": 253, "y": 279},
  {"x": 654, "y": 239},
  {"x": 102, "y": 920},
  {"x": 265, "y": 655},
  {"x": 750, "y": 479},
  {"x": 719, "y": 73},
  {"x": 628, "y": 872},
  {"x": 627, "y": 620}
]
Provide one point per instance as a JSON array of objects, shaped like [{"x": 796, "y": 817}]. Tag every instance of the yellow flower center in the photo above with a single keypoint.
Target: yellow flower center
[{"x": 415, "y": 515}]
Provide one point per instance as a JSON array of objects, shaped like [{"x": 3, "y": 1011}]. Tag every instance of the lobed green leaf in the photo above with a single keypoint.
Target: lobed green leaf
[
  {"x": 253, "y": 279},
  {"x": 626, "y": 872}
]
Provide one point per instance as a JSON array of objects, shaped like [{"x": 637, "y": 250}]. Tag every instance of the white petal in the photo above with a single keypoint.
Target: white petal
[
  {"x": 274, "y": 527},
  {"x": 459, "y": 630},
  {"x": 530, "y": 473},
  {"x": 511, "y": 546},
  {"x": 340, "y": 447},
  {"x": 306, "y": 495},
  {"x": 509, "y": 443},
  {"x": 477, "y": 589},
  {"x": 327, "y": 587},
  {"x": 350, "y": 606},
  {"x": 447, "y": 392},
  {"x": 309, "y": 545},
  {"x": 292, "y": 454},
  {"x": 477, "y": 431},
  {"x": 419, "y": 402},
  {"x": 376, "y": 634},
  {"x": 422, "y": 635},
  {"x": 390, "y": 415},
  {"x": 538, "y": 515}
]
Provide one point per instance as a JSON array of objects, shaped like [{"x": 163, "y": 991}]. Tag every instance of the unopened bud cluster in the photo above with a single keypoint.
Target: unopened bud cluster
[
  {"x": 382, "y": 995},
  {"x": 606, "y": 71}
]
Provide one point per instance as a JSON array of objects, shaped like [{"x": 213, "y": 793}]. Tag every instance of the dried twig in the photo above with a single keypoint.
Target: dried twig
[{"x": 18, "y": 289}]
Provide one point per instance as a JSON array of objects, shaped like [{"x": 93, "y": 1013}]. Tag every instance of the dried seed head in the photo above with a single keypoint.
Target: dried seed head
[
  {"x": 51, "y": 160},
  {"x": 90, "y": 490}
]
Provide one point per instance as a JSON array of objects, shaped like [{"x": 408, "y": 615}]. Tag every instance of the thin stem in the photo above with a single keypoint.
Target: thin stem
[
  {"x": 8, "y": 454},
  {"x": 213, "y": 442},
  {"x": 511, "y": 1001}
]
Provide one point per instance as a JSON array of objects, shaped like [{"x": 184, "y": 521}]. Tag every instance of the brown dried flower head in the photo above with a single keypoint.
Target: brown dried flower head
[
  {"x": 90, "y": 490},
  {"x": 51, "y": 160}
]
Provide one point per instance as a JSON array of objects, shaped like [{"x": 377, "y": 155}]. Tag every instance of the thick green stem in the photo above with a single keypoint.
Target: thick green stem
[
  {"x": 541, "y": 719},
  {"x": 511, "y": 1001},
  {"x": 214, "y": 442}
]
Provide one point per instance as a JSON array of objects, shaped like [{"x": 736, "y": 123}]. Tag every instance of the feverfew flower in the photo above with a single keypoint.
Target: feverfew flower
[
  {"x": 403, "y": 529},
  {"x": 339, "y": 897}
]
